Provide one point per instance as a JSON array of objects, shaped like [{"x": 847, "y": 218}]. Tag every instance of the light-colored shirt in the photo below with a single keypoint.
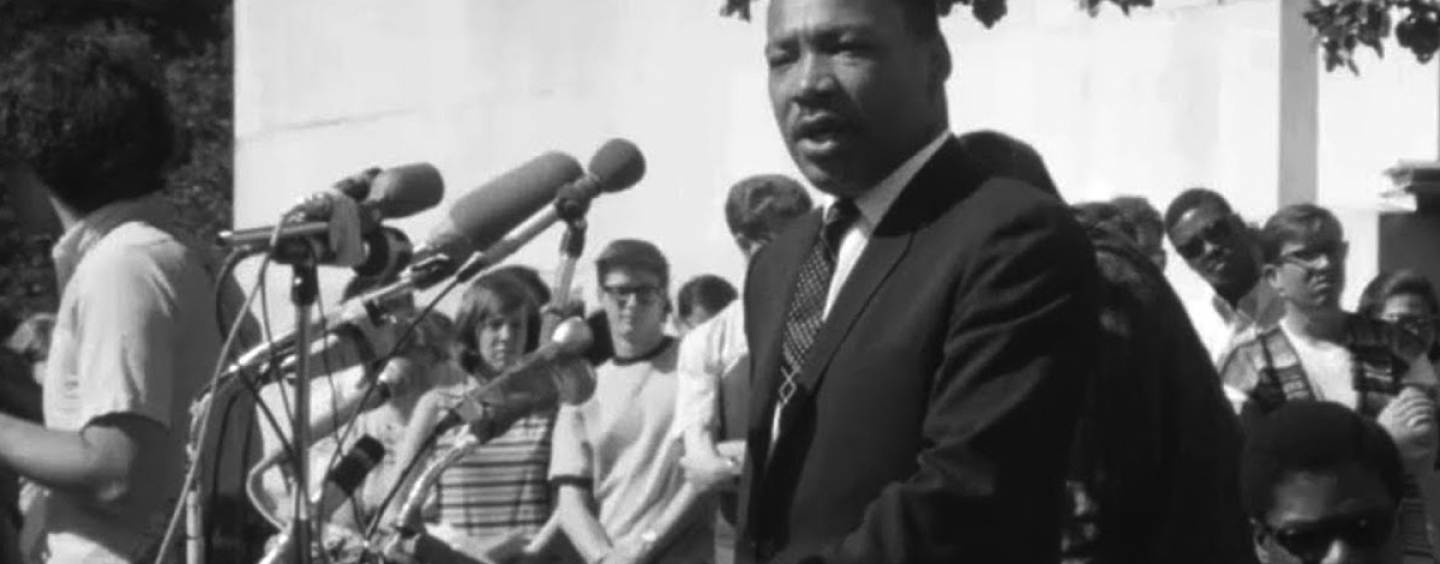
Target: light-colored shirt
[
  {"x": 135, "y": 334},
  {"x": 873, "y": 206},
  {"x": 619, "y": 441},
  {"x": 712, "y": 353},
  {"x": 1226, "y": 326}
]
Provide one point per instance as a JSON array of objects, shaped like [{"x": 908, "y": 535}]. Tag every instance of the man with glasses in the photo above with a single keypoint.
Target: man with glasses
[
  {"x": 614, "y": 459},
  {"x": 1322, "y": 485},
  {"x": 1218, "y": 246},
  {"x": 1318, "y": 351}
]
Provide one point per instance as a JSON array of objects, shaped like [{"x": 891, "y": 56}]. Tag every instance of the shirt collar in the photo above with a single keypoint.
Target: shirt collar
[
  {"x": 1261, "y": 304},
  {"x": 874, "y": 203},
  {"x": 84, "y": 234}
]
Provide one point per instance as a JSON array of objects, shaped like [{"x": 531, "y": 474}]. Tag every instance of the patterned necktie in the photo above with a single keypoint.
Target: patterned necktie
[{"x": 807, "y": 310}]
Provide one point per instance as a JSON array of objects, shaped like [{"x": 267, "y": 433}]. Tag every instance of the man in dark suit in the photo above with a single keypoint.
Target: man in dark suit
[{"x": 920, "y": 346}]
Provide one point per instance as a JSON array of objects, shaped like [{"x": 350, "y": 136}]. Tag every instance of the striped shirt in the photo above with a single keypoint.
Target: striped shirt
[{"x": 501, "y": 486}]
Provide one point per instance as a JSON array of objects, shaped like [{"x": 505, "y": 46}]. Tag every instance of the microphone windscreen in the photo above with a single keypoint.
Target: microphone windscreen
[
  {"x": 356, "y": 464},
  {"x": 485, "y": 215},
  {"x": 406, "y": 190},
  {"x": 617, "y": 165}
]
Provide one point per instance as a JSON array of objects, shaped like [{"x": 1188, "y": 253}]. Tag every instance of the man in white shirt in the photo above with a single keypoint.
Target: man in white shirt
[
  {"x": 1319, "y": 351},
  {"x": 135, "y": 337},
  {"x": 1217, "y": 245},
  {"x": 714, "y": 357}
]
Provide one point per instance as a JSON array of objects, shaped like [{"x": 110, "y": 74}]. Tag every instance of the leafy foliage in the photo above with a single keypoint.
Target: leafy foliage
[
  {"x": 1340, "y": 25},
  {"x": 988, "y": 12},
  {"x": 1343, "y": 25},
  {"x": 192, "y": 41}
]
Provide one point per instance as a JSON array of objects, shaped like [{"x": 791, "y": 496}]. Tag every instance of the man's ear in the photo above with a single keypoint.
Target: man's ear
[
  {"x": 1258, "y": 535},
  {"x": 1271, "y": 273}
]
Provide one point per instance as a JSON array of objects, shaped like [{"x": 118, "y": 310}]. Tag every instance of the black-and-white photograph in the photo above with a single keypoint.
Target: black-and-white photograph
[{"x": 719, "y": 282}]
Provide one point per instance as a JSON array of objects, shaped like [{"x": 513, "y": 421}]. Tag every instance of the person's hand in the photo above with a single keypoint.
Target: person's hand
[
  {"x": 1410, "y": 420},
  {"x": 707, "y": 472}
]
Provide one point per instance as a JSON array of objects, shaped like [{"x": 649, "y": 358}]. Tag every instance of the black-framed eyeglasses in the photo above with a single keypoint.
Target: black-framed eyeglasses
[
  {"x": 641, "y": 293},
  {"x": 1311, "y": 542},
  {"x": 1218, "y": 232},
  {"x": 1415, "y": 323},
  {"x": 1310, "y": 257}
]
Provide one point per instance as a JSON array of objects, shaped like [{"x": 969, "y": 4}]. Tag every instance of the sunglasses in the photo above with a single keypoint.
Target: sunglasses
[
  {"x": 1311, "y": 542},
  {"x": 643, "y": 294},
  {"x": 1218, "y": 232},
  {"x": 1415, "y": 323}
]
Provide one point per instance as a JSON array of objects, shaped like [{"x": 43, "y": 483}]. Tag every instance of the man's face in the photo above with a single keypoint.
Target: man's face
[
  {"x": 1215, "y": 245},
  {"x": 854, "y": 90},
  {"x": 1310, "y": 272},
  {"x": 1341, "y": 517},
  {"x": 634, "y": 303}
]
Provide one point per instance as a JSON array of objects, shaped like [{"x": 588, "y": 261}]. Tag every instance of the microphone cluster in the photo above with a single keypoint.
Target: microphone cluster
[{"x": 345, "y": 226}]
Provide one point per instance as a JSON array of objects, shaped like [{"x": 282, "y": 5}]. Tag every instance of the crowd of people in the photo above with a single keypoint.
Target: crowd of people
[{"x": 939, "y": 360}]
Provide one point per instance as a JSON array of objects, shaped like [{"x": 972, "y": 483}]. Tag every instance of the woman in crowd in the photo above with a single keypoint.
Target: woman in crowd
[
  {"x": 493, "y": 499},
  {"x": 1405, "y": 298}
]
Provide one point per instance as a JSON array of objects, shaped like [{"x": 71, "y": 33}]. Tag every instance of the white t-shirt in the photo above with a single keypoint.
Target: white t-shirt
[{"x": 620, "y": 441}]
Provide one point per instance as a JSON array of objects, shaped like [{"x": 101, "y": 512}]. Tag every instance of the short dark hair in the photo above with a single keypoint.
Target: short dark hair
[
  {"x": 1000, "y": 154},
  {"x": 495, "y": 293},
  {"x": 706, "y": 290},
  {"x": 1396, "y": 283},
  {"x": 759, "y": 206},
  {"x": 1312, "y": 437},
  {"x": 87, "y": 117},
  {"x": 1294, "y": 222},
  {"x": 1191, "y": 199},
  {"x": 633, "y": 253},
  {"x": 1139, "y": 213},
  {"x": 532, "y": 280},
  {"x": 923, "y": 16}
]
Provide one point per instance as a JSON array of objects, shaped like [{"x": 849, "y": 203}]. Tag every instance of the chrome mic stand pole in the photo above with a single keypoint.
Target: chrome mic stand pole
[{"x": 304, "y": 291}]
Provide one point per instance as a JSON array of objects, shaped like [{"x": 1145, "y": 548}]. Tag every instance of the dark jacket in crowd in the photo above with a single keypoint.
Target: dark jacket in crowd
[{"x": 1154, "y": 473}]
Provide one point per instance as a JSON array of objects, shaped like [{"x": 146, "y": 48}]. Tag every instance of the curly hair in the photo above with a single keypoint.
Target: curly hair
[
  {"x": 88, "y": 116},
  {"x": 494, "y": 294}
]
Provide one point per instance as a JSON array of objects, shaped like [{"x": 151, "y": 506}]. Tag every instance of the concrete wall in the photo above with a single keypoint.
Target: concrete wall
[{"x": 1184, "y": 94}]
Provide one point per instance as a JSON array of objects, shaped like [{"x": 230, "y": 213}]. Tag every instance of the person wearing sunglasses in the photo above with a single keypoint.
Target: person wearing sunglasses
[
  {"x": 1321, "y": 484},
  {"x": 1319, "y": 351},
  {"x": 622, "y": 494},
  {"x": 1217, "y": 245},
  {"x": 1405, "y": 298}
]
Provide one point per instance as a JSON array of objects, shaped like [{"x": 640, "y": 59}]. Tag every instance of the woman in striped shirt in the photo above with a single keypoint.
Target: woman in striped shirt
[{"x": 493, "y": 499}]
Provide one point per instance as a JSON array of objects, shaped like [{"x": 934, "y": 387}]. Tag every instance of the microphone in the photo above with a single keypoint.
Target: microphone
[
  {"x": 477, "y": 220},
  {"x": 486, "y": 214},
  {"x": 571, "y": 377},
  {"x": 394, "y": 193},
  {"x": 339, "y": 485},
  {"x": 616, "y": 166}
]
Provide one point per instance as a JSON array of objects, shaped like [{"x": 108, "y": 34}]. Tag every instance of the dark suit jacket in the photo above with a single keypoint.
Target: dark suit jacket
[{"x": 938, "y": 401}]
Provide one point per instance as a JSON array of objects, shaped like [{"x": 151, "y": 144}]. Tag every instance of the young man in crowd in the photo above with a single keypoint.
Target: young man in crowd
[
  {"x": 1322, "y": 485},
  {"x": 135, "y": 336},
  {"x": 623, "y": 497},
  {"x": 715, "y": 359},
  {"x": 1216, "y": 244},
  {"x": 1318, "y": 351}
]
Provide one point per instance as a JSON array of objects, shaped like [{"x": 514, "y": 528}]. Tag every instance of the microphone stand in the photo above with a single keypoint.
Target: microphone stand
[{"x": 304, "y": 291}]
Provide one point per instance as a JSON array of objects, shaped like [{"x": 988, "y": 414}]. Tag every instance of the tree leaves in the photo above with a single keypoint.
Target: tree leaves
[{"x": 191, "y": 41}]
